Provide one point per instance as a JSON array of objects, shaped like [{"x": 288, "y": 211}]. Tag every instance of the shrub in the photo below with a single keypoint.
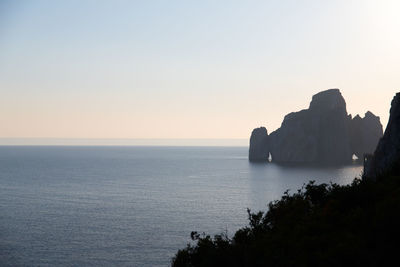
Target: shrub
[{"x": 319, "y": 225}]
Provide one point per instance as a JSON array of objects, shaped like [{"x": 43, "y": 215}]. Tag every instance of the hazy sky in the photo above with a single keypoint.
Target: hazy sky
[{"x": 188, "y": 69}]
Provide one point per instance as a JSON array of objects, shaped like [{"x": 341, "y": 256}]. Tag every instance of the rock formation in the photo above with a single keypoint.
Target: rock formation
[
  {"x": 314, "y": 135},
  {"x": 323, "y": 133},
  {"x": 259, "y": 150},
  {"x": 386, "y": 158},
  {"x": 365, "y": 133}
]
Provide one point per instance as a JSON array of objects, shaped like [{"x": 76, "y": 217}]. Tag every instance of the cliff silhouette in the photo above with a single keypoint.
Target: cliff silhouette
[
  {"x": 319, "y": 225},
  {"x": 323, "y": 133},
  {"x": 386, "y": 158}
]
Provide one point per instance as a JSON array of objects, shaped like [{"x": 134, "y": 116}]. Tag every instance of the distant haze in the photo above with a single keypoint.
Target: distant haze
[{"x": 188, "y": 69}]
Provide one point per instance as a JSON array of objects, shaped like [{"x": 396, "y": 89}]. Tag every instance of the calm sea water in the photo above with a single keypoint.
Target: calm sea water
[{"x": 131, "y": 206}]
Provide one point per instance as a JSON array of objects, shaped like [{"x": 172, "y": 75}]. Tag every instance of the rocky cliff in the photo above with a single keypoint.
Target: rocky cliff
[
  {"x": 386, "y": 158},
  {"x": 323, "y": 133}
]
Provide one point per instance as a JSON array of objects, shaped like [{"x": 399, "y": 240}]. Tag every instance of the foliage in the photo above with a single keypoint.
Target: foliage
[{"x": 319, "y": 225}]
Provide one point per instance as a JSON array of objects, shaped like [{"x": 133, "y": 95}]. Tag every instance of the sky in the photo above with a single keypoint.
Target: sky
[{"x": 188, "y": 69}]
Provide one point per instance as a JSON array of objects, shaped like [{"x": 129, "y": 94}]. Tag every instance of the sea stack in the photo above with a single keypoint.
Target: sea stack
[
  {"x": 259, "y": 150},
  {"x": 322, "y": 134}
]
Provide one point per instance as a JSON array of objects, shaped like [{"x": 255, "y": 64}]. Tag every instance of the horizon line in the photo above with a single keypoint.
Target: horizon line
[{"x": 54, "y": 141}]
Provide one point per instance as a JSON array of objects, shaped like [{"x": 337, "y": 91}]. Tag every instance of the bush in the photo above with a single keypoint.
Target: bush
[{"x": 319, "y": 225}]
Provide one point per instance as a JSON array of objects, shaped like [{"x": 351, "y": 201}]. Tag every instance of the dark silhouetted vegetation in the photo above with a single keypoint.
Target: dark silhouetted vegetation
[{"x": 319, "y": 225}]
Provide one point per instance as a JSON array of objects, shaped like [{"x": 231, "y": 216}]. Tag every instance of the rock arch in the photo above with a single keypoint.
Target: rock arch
[{"x": 323, "y": 133}]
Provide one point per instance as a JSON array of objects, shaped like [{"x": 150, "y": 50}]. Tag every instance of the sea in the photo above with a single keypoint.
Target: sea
[{"x": 132, "y": 205}]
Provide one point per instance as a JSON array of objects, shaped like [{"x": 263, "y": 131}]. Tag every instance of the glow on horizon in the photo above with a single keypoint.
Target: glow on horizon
[{"x": 180, "y": 69}]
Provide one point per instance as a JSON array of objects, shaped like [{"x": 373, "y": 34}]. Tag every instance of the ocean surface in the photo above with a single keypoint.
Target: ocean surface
[{"x": 131, "y": 206}]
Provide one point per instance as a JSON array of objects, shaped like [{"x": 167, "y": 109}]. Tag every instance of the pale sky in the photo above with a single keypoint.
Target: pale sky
[{"x": 188, "y": 69}]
